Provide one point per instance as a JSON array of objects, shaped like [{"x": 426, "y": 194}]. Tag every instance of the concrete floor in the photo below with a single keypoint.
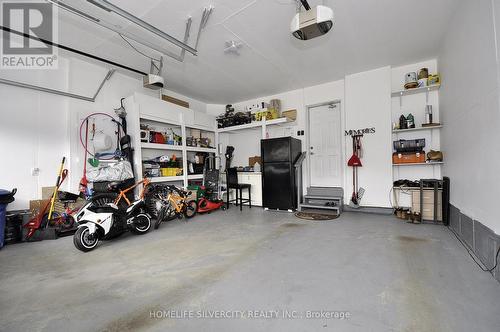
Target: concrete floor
[{"x": 387, "y": 275}]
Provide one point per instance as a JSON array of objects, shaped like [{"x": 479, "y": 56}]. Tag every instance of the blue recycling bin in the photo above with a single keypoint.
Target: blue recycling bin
[{"x": 6, "y": 197}]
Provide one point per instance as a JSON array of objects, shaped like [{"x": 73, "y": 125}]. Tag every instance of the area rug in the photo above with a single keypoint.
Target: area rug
[{"x": 315, "y": 216}]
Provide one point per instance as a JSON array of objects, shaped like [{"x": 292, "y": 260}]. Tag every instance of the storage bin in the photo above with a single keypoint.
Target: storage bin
[
  {"x": 6, "y": 197},
  {"x": 428, "y": 204},
  {"x": 408, "y": 158},
  {"x": 171, "y": 171}
]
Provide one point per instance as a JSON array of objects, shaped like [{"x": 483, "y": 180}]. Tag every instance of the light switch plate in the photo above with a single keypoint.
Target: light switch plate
[{"x": 35, "y": 171}]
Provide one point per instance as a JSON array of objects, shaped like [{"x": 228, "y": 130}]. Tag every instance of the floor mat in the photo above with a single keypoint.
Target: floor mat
[{"x": 315, "y": 216}]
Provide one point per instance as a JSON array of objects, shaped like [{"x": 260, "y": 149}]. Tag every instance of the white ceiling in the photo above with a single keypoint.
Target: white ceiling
[{"x": 366, "y": 34}]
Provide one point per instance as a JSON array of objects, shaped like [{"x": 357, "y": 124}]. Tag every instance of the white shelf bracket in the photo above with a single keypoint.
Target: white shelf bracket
[{"x": 264, "y": 128}]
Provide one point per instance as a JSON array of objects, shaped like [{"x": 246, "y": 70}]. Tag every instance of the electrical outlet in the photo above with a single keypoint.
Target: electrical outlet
[{"x": 35, "y": 171}]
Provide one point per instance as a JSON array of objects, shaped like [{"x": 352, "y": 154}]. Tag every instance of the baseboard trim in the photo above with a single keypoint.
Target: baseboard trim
[
  {"x": 481, "y": 240},
  {"x": 369, "y": 209}
]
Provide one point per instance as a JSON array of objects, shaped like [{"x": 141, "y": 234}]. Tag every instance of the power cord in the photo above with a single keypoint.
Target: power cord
[
  {"x": 135, "y": 49},
  {"x": 473, "y": 255}
]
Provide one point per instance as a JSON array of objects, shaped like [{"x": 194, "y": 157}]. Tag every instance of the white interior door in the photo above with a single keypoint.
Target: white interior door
[{"x": 325, "y": 146}]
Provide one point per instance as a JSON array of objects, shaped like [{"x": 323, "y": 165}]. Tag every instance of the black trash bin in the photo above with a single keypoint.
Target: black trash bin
[{"x": 6, "y": 197}]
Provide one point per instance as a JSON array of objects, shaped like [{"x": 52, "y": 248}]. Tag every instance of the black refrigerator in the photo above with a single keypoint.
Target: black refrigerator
[{"x": 279, "y": 183}]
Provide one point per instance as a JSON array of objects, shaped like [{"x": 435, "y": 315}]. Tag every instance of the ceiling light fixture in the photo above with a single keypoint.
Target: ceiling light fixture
[
  {"x": 233, "y": 47},
  {"x": 106, "y": 5}
]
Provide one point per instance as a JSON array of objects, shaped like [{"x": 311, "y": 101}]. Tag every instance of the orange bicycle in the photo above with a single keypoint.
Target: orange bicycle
[
  {"x": 118, "y": 194},
  {"x": 175, "y": 203}
]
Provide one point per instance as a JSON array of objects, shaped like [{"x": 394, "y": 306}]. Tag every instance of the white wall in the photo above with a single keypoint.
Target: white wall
[
  {"x": 33, "y": 131},
  {"x": 85, "y": 77},
  {"x": 37, "y": 129},
  {"x": 247, "y": 143},
  {"x": 470, "y": 109},
  {"x": 368, "y": 104}
]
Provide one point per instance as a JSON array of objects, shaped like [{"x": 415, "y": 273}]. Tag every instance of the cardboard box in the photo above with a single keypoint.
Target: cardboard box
[
  {"x": 47, "y": 192},
  {"x": 37, "y": 205},
  {"x": 290, "y": 115},
  {"x": 253, "y": 160}
]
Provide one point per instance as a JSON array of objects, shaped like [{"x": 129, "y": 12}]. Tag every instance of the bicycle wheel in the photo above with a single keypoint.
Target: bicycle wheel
[
  {"x": 169, "y": 213},
  {"x": 160, "y": 216},
  {"x": 191, "y": 209},
  {"x": 67, "y": 222}
]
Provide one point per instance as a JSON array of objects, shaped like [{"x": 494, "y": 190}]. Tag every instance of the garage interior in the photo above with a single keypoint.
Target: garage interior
[{"x": 249, "y": 165}]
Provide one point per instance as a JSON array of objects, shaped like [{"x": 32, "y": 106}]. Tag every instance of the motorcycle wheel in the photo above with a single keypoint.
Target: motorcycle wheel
[
  {"x": 141, "y": 224},
  {"x": 191, "y": 209},
  {"x": 83, "y": 241}
]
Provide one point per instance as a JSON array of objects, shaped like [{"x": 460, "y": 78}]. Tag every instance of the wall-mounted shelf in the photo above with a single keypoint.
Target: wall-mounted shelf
[
  {"x": 420, "y": 164},
  {"x": 156, "y": 146},
  {"x": 254, "y": 125},
  {"x": 203, "y": 128},
  {"x": 408, "y": 92},
  {"x": 159, "y": 120},
  {"x": 396, "y": 131},
  {"x": 414, "y": 188},
  {"x": 200, "y": 149},
  {"x": 167, "y": 179},
  {"x": 195, "y": 177}
]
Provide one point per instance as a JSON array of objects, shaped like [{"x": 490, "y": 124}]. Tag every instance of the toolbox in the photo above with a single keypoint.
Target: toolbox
[
  {"x": 411, "y": 145},
  {"x": 408, "y": 157}
]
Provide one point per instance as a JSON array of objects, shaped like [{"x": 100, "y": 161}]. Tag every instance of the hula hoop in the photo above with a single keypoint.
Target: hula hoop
[{"x": 81, "y": 127}]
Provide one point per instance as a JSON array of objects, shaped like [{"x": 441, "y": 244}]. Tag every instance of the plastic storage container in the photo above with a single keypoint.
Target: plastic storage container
[{"x": 6, "y": 197}]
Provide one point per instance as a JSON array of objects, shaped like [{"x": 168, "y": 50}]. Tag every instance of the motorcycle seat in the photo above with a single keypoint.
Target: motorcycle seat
[
  {"x": 67, "y": 197},
  {"x": 116, "y": 186},
  {"x": 103, "y": 209}
]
